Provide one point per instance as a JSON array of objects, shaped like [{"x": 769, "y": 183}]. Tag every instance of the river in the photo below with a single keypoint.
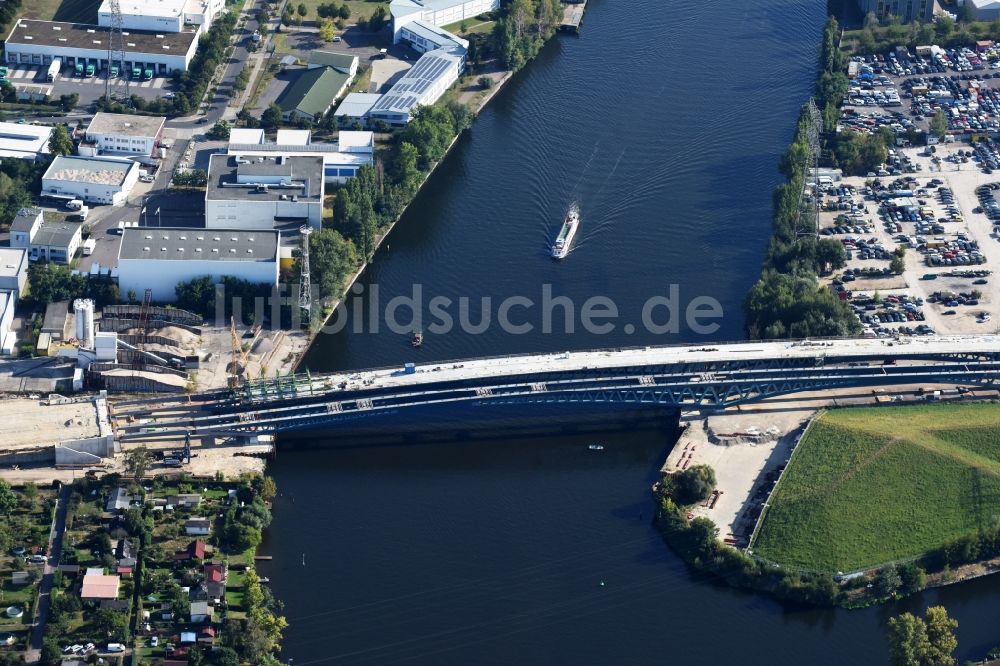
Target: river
[{"x": 665, "y": 123}]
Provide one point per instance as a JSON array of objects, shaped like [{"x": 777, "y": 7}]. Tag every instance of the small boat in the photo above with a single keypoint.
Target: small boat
[
  {"x": 418, "y": 339},
  {"x": 570, "y": 225},
  {"x": 265, "y": 579},
  {"x": 596, "y": 447}
]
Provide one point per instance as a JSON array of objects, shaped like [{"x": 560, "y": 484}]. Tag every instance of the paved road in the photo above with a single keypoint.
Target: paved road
[{"x": 33, "y": 655}]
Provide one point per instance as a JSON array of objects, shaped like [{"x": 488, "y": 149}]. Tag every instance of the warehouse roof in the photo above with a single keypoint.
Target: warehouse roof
[
  {"x": 231, "y": 178},
  {"x": 356, "y": 142},
  {"x": 24, "y": 140},
  {"x": 293, "y": 137},
  {"x": 56, "y": 234},
  {"x": 25, "y": 220},
  {"x": 12, "y": 260},
  {"x": 85, "y": 36},
  {"x": 403, "y": 7},
  {"x": 125, "y": 124},
  {"x": 185, "y": 244},
  {"x": 95, "y": 170},
  {"x": 357, "y": 105},
  {"x": 313, "y": 91},
  {"x": 435, "y": 35},
  {"x": 147, "y": 7},
  {"x": 339, "y": 61},
  {"x": 246, "y": 135}
]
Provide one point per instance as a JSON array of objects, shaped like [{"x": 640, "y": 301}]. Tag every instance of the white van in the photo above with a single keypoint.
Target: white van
[
  {"x": 74, "y": 204},
  {"x": 89, "y": 246}
]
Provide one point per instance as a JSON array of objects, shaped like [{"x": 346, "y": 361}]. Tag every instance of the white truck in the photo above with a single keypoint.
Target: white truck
[
  {"x": 54, "y": 68},
  {"x": 89, "y": 246}
]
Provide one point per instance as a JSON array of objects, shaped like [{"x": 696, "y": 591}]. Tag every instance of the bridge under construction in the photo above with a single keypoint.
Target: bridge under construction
[{"x": 678, "y": 377}]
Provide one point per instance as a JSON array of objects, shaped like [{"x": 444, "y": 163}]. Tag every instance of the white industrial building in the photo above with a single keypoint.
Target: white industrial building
[
  {"x": 355, "y": 108},
  {"x": 38, "y": 42},
  {"x": 342, "y": 62},
  {"x": 122, "y": 134},
  {"x": 436, "y": 12},
  {"x": 160, "y": 258},
  {"x": 56, "y": 242},
  {"x": 13, "y": 269},
  {"x": 100, "y": 180},
  {"x": 341, "y": 160},
  {"x": 8, "y": 338},
  {"x": 264, "y": 192},
  {"x": 422, "y": 84},
  {"x": 27, "y": 142},
  {"x": 423, "y": 37},
  {"x": 163, "y": 15},
  {"x": 13, "y": 276}
]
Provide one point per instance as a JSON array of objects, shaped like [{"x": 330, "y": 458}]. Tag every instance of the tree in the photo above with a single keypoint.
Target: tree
[
  {"x": 60, "y": 142},
  {"x": 268, "y": 489},
  {"x": 404, "y": 168},
  {"x": 327, "y": 31},
  {"x": 331, "y": 258},
  {"x": 220, "y": 130},
  {"x": 51, "y": 652},
  {"x": 939, "y": 124},
  {"x": 138, "y": 462},
  {"x": 908, "y": 643},
  {"x": 68, "y": 102},
  {"x": 887, "y": 582},
  {"x": 110, "y": 625},
  {"x": 485, "y": 82},
  {"x": 923, "y": 642},
  {"x": 271, "y": 116},
  {"x": 225, "y": 656},
  {"x": 693, "y": 484},
  {"x": 912, "y": 577},
  {"x": 8, "y": 499},
  {"x": 197, "y": 295},
  {"x": 941, "y": 636},
  {"x": 302, "y": 9},
  {"x": 344, "y": 12}
]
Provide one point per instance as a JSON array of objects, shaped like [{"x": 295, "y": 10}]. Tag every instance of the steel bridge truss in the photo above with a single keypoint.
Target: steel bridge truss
[{"x": 298, "y": 405}]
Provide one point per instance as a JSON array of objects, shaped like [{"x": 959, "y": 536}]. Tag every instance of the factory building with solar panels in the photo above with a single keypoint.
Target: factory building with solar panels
[
  {"x": 423, "y": 84},
  {"x": 416, "y": 23}
]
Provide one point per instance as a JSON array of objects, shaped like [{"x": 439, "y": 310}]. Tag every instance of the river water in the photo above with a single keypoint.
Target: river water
[{"x": 664, "y": 122}]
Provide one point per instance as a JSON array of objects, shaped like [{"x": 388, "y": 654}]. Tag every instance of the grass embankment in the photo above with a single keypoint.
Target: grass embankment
[{"x": 874, "y": 485}]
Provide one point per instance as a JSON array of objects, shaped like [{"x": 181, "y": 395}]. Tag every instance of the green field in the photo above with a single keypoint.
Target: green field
[
  {"x": 472, "y": 26},
  {"x": 872, "y": 485}
]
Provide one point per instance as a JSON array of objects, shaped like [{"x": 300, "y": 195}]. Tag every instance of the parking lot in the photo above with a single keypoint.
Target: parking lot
[
  {"x": 88, "y": 88},
  {"x": 933, "y": 206}
]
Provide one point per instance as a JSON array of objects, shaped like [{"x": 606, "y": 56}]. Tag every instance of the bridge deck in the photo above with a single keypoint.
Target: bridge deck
[{"x": 675, "y": 376}]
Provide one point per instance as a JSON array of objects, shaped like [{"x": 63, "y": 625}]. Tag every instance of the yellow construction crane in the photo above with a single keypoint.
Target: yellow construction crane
[{"x": 240, "y": 362}]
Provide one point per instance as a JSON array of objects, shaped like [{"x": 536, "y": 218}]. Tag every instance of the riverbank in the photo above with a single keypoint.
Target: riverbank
[
  {"x": 472, "y": 100},
  {"x": 318, "y": 327}
]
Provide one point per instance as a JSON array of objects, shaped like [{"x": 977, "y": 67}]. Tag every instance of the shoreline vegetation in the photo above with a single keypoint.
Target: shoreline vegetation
[
  {"x": 788, "y": 301},
  {"x": 905, "y": 455},
  {"x": 367, "y": 207}
]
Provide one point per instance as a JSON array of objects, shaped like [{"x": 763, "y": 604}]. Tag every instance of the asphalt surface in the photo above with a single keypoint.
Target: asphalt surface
[{"x": 33, "y": 655}]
